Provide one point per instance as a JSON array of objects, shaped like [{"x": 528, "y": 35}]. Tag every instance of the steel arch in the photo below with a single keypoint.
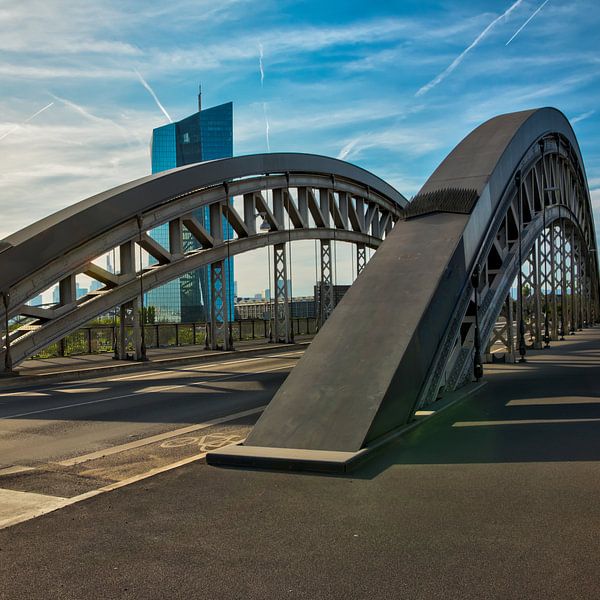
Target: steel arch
[
  {"x": 312, "y": 197},
  {"x": 368, "y": 380}
]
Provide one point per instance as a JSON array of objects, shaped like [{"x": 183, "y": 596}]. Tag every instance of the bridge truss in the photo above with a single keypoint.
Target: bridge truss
[
  {"x": 295, "y": 196},
  {"x": 504, "y": 221}
]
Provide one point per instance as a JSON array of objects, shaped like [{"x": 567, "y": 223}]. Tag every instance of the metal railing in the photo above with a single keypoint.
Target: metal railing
[{"x": 97, "y": 339}]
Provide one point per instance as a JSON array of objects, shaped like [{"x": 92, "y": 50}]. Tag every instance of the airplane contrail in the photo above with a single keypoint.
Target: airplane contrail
[
  {"x": 461, "y": 56},
  {"x": 345, "y": 151},
  {"x": 88, "y": 115},
  {"x": 583, "y": 116},
  {"x": 260, "y": 66},
  {"x": 82, "y": 111},
  {"x": 151, "y": 91},
  {"x": 262, "y": 87},
  {"x": 35, "y": 114},
  {"x": 524, "y": 24}
]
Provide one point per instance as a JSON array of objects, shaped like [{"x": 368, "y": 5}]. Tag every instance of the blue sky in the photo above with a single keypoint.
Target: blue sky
[{"x": 369, "y": 82}]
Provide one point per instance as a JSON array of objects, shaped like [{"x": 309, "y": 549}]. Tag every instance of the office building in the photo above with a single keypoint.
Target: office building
[{"x": 205, "y": 135}]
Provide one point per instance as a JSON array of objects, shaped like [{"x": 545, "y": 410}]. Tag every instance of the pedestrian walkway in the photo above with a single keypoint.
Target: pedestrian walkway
[{"x": 496, "y": 497}]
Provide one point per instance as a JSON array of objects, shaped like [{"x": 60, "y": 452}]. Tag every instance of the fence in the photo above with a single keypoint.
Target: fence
[{"x": 96, "y": 339}]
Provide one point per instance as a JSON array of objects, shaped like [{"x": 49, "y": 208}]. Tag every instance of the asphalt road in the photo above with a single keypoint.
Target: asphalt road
[
  {"x": 47, "y": 431},
  {"x": 496, "y": 497}
]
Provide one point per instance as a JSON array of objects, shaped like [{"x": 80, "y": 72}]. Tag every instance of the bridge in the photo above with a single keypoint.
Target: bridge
[{"x": 510, "y": 202}]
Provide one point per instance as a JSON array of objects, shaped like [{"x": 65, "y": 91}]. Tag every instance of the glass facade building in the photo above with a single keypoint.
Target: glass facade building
[{"x": 205, "y": 135}]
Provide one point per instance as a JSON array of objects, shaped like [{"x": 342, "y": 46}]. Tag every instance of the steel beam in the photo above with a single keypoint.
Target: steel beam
[
  {"x": 281, "y": 308},
  {"x": 361, "y": 258},
  {"x": 326, "y": 290}
]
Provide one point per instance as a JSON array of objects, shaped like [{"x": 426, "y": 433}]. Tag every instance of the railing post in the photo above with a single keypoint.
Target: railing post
[{"x": 89, "y": 340}]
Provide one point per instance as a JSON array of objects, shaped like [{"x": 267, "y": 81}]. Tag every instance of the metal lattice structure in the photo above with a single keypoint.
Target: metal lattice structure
[
  {"x": 542, "y": 232},
  {"x": 297, "y": 196},
  {"x": 508, "y": 208}
]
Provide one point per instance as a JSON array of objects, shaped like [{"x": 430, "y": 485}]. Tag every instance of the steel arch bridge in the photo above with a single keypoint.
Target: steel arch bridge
[
  {"x": 511, "y": 201},
  {"x": 298, "y": 197}
]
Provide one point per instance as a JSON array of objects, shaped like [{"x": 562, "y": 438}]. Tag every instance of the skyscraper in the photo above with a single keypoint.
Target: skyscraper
[{"x": 205, "y": 135}]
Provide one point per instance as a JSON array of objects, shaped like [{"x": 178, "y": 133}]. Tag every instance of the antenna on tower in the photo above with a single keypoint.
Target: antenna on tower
[{"x": 199, "y": 97}]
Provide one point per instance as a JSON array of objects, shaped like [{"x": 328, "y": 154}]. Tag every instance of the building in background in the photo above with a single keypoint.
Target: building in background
[
  {"x": 205, "y": 135},
  {"x": 37, "y": 301},
  {"x": 320, "y": 290},
  {"x": 80, "y": 292},
  {"x": 260, "y": 308}
]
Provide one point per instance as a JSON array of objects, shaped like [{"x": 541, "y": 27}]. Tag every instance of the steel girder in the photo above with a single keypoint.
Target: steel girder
[
  {"x": 353, "y": 206},
  {"x": 553, "y": 205},
  {"x": 412, "y": 311}
]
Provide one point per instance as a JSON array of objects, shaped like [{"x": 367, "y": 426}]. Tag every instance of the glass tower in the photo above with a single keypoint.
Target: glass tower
[{"x": 205, "y": 135}]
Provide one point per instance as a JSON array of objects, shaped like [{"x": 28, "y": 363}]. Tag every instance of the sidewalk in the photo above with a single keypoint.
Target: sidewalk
[
  {"x": 36, "y": 371},
  {"x": 496, "y": 497}
]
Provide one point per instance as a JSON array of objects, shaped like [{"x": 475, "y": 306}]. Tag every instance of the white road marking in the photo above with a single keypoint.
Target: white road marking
[
  {"x": 553, "y": 401},
  {"x": 16, "y": 507},
  {"x": 159, "y": 438},
  {"x": 23, "y": 394},
  {"x": 61, "y": 503},
  {"x": 522, "y": 422},
  {"x": 91, "y": 390},
  {"x": 136, "y": 393}
]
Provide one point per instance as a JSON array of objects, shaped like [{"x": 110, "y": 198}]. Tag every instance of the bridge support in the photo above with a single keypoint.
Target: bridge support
[
  {"x": 554, "y": 276},
  {"x": 220, "y": 333},
  {"x": 326, "y": 291},
  {"x": 129, "y": 345},
  {"x": 532, "y": 299},
  {"x": 281, "y": 308},
  {"x": 361, "y": 258},
  {"x": 130, "y": 339},
  {"x": 219, "y": 317},
  {"x": 505, "y": 335},
  {"x": 573, "y": 321},
  {"x": 564, "y": 307}
]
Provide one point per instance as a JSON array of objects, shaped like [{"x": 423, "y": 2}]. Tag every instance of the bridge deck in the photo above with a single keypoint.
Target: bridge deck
[{"x": 497, "y": 497}]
